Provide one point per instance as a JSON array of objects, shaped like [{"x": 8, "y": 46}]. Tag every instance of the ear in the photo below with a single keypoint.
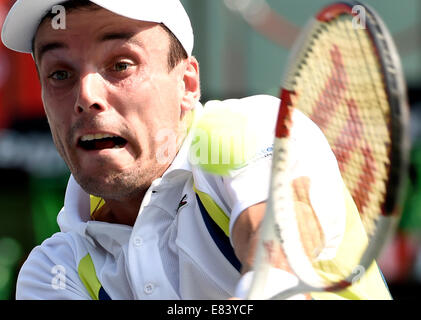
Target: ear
[{"x": 191, "y": 83}]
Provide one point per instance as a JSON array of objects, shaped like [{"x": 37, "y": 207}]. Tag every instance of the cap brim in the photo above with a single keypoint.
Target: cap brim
[
  {"x": 25, "y": 16},
  {"x": 22, "y": 22}
]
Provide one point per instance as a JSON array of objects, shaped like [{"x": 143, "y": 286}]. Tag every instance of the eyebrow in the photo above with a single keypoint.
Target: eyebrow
[
  {"x": 124, "y": 35},
  {"x": 103, "y": 38},
  {"x": 49, "y": 47},
  {"x": 116, "y": 36}
]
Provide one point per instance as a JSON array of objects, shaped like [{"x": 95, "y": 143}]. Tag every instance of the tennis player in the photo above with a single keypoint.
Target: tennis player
[{"x": 121, "y": 89}]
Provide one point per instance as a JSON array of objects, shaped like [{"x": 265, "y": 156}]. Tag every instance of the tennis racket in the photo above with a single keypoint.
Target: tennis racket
[{"x": 344, "y": 73}]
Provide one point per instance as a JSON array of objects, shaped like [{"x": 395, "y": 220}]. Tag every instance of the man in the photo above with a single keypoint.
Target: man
[{"x": 119, "y": 82}]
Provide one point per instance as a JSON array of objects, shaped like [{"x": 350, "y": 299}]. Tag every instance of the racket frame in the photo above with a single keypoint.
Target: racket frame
[{"x": 399, "y": 156}]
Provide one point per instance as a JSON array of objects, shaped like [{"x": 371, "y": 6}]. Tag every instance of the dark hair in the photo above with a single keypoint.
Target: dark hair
[{"x": 176, "y": 52}]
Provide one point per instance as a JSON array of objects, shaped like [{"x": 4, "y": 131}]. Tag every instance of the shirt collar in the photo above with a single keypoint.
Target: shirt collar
[{"x": 76, "y": 211}]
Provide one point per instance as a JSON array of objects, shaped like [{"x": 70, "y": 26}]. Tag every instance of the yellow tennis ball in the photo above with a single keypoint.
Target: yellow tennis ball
[{"x": 223, "y": 140}]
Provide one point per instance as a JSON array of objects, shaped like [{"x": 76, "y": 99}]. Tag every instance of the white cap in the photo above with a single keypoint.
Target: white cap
[{"x": 24, "y": 18}]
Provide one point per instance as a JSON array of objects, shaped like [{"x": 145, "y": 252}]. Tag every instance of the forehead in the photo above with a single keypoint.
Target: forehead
[{"x": 95, "y": 23}]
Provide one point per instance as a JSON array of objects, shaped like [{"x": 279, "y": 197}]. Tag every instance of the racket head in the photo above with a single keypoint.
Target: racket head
[
  {"x": 394, "y": 96},
  {"x": 367, "y": 120},
  {"x": 349, "y": 82}
]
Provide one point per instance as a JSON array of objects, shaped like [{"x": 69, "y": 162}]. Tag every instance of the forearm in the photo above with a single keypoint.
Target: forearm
[
  {"x": 245, "y": 234},
  {"x": 245, "y": 240}
]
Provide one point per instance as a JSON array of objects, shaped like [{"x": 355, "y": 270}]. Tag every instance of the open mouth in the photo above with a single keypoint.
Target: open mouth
[{"x": 93, "y": 142}]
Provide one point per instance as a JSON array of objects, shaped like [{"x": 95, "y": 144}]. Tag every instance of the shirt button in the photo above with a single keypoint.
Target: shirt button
[
  {"x": 137, "y": 241},
  {"x": 149, "y": 288}
]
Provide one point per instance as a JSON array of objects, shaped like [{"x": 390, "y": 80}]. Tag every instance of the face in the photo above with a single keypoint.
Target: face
[{"x": 111, "y": 100}]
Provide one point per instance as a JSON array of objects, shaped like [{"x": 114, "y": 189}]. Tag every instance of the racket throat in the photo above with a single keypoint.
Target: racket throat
[{"x": 284, "y": 122}]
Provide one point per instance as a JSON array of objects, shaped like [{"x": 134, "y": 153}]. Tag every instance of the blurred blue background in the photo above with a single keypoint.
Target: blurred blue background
[{"x": 240, "y": 54}]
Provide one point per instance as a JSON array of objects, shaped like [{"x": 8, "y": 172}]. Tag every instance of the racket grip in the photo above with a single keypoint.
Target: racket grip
[{"x": 277, "y": 281}]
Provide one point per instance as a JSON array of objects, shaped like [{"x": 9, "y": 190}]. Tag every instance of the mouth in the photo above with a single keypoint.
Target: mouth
[{"x": 97, "y": 142}]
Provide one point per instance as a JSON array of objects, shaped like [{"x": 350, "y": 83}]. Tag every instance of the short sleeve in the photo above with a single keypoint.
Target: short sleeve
[
  {"x": 248, "y": 185},
  {"x": 310, "y": 157},
  {"x": 50, "y": 272}
]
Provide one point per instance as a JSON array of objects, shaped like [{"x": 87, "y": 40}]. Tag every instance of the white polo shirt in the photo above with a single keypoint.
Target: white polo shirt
[{"x": 176, "y": 249}]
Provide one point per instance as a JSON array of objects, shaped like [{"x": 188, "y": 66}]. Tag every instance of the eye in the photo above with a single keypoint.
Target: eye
[
  {"x": 121, "y": 66},
  {"x": 59, "y": 75}
]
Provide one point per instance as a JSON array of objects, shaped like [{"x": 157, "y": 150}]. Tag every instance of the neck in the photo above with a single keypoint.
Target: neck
[
  {"x": 119, "y": 212},
  {"x": 123, "y": 211}
]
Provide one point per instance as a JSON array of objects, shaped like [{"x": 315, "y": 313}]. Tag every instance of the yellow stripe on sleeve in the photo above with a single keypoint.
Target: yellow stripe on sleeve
[
  {"x": 87, "y": 274},
  {"x": 214, "y": 211}
]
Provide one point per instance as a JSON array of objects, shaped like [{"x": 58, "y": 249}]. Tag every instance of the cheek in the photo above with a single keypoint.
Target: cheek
[
  {"x": 59, "y": 99},
  {"x": 59, "y": 142},
  {"x": 54, "y": 117},
  {"x": 57, "y": 132},
  {"x": 58, "y": 126},
  {"x": 150, "y": 99},
  {"x": 59, "y": 113}
]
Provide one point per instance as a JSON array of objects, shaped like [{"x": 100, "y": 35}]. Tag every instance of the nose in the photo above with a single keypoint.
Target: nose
[{"x": 91, "y": 94}]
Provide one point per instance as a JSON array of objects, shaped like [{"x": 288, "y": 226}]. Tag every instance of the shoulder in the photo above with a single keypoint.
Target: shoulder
[
  {"x": 260, "y": 106},
  {"x": 262, "y": 111},
  {"x": 60, "y": 245},
  {"x": 50, "y": 271}
]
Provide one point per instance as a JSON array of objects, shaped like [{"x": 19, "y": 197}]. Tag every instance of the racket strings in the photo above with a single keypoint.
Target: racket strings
[
  {"x": 303, "y": 233},
  {"x": 339, "y": 85},
  {"x": 302, "y": 237},
  {"x": 311, "y": 232}
]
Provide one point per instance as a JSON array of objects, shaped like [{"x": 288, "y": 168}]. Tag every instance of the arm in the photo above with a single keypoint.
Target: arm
[
  {"x": 245, "y": 240},
  {"x": 245, "y": 234},
  {"x": 245, "y": 231}
]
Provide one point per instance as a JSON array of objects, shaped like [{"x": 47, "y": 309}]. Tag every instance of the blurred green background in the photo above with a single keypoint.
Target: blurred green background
[{"x": 239, "y": 55}]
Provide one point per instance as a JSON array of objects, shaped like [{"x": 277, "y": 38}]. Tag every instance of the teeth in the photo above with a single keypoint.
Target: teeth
[{"x": 90, "y": 137}]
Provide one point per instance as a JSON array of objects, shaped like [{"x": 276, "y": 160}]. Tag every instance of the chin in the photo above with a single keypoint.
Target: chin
[{"x": 113, "y": 186}]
